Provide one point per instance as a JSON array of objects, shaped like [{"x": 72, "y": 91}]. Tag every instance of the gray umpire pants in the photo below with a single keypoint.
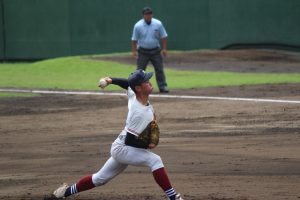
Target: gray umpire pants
[{"x": 153, "y": 55}]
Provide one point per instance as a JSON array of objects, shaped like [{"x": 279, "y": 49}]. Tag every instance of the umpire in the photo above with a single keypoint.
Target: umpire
[{"x": 145, "y": 45}]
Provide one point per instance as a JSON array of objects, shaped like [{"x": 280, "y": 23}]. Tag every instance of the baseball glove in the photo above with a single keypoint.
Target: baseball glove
[{"x": 151, "y": 134}]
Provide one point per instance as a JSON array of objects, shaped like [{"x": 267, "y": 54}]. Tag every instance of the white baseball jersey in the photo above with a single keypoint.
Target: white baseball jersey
[{"x": 138, "y": 118}]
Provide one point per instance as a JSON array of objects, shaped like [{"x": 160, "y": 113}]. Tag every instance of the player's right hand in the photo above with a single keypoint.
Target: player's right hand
[{"x": 105, "y": 81}]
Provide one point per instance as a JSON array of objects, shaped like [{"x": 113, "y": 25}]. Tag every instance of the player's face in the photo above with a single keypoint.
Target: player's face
[{"x": 146, "y": 87}]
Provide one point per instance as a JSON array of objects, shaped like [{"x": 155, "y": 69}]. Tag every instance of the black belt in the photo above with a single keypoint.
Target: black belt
[
  {"x": 145, "y": 49},
  {"x": 132, "y": 140}
]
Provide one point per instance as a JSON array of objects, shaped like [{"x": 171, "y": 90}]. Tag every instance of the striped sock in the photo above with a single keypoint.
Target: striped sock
[
  {"x": 83, "y": 184},
  {"x": 161, "y": 178},
  {"x": 71, "y": 190},
  {"x": 171, "y": 193}
]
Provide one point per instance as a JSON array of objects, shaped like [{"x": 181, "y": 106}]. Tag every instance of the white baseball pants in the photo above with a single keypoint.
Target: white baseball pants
[{"x": 121, "y": 157}]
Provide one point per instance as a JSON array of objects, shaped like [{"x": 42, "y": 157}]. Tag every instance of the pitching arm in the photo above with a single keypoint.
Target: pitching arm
[{"x": 122, "y": 82}]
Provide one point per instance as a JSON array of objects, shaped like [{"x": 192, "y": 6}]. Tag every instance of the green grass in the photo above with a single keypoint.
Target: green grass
[{"x": 76, "y": 73}]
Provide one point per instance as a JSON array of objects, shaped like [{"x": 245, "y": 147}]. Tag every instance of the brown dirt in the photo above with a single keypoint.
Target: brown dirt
[
  {"x": 212, "y": 149},
  {"x": 256, "y": 61}
]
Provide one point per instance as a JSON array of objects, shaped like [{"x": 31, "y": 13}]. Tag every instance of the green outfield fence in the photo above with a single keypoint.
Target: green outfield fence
[{"x": 38, "y": 29}]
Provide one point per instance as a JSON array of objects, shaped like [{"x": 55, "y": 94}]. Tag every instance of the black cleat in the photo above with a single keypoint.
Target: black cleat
[{"x": 164, "y": 90}]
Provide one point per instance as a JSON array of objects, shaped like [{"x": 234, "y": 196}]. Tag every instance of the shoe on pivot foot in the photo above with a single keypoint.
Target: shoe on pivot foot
[{"x": 178, "y": 197}]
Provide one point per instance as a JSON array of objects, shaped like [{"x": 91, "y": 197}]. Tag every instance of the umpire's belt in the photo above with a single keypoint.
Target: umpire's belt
[{"x": 149, "y": 51}]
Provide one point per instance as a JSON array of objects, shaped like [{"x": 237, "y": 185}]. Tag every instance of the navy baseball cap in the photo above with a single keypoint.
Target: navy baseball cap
[
  {"x": 138, "y": 77},
  {"x": 147, "y": 10}
]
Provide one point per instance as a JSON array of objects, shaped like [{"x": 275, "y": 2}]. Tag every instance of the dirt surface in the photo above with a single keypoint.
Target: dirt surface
[
  {"x": 212, "y": 149},
  {"x": 256, "y": 61}
]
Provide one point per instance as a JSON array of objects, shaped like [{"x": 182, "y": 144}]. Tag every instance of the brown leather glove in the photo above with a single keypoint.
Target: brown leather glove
[{"x": 151, "y": 134}]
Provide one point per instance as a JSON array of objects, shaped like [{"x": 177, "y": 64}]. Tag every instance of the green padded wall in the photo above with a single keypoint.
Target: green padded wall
[
  {"x": 2, "y": 38},
  {"x": 107, "y": 26},
  {"x": 187, "y": 23},
  {"x": 100, "y": 26},
  {"x": 255, "y": 21},
  {"x": 37, "y": 29}
]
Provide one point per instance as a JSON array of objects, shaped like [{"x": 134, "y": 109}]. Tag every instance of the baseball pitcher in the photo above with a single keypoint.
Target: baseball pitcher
[{"x": 134, "y": 143}]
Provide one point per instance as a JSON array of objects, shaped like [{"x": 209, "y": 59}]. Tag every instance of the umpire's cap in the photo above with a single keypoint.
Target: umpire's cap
[
  {"x": 147, "y": 10},
  {"x": 138, "y": 77}
]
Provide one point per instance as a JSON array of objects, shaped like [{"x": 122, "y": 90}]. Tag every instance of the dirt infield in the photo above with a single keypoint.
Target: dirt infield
[
  {"x": 254, "y": 61},
  {"x": 212, "y": 149}
]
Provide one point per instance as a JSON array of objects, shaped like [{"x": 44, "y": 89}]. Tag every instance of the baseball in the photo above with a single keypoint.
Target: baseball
[{"x": 102, "y": 83}]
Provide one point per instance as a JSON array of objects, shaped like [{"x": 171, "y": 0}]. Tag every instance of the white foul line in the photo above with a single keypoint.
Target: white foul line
[{"x": 152, "y": 95}]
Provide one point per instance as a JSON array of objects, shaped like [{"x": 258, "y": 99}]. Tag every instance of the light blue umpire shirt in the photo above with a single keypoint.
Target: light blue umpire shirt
[{"x": 148, "y": 36}]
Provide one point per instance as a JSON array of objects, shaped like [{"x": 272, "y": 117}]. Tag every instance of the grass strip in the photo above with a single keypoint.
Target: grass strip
[{"x": 75, "y": 73}]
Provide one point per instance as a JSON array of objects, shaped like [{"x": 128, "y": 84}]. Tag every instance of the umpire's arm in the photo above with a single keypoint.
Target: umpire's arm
[{"x": 164, "y": 46}]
